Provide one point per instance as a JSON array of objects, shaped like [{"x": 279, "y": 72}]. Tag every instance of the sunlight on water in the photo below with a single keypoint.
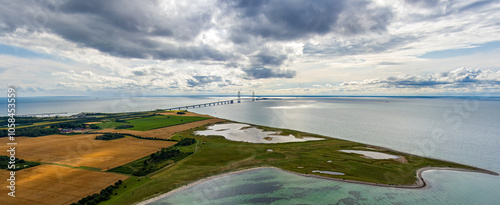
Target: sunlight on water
[{"x": 463, "y": 130}]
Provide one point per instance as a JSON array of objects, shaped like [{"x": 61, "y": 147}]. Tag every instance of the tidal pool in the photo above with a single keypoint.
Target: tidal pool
[
  {"x": 329, "y": 172},
  {"x": 246, "y": 133},
  {"x": 372, "y": 155}
]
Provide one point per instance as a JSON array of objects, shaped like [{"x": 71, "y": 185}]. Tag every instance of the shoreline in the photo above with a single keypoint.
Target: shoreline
[{"x": 419, "y": 184}]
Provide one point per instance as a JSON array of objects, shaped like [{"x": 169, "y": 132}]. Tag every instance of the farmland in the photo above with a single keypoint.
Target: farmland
[
  {"x": 52, "y": 184},
  {"x": 84, "y": 150},
  {"x": 75, "y": 165},
  {"x": 165, "y": 132},
  {"x": 149, "y": 123},
  {"x": 78, "y": 160}
]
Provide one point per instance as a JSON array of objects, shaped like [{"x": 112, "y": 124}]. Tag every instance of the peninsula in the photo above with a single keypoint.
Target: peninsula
[{"x": 127, "y": 158}]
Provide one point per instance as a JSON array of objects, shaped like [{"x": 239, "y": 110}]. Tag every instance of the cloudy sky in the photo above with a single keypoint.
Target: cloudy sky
[{"x": 277, "y": 47}]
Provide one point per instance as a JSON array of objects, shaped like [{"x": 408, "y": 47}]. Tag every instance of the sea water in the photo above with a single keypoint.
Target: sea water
[{"x": 463, "y": 130}]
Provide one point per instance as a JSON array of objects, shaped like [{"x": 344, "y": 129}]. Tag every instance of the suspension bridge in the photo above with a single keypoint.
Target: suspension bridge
[{"x": 223, "y": 102}]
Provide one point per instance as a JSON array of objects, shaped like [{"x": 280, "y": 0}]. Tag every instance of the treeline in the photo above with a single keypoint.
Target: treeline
[
  {"x": 157, "y": 160},
  {"x": 96, "y": 198},
  {"x": 120, "y": 120},
  {"x": 28, "y": 120},
  {"x": 124, "y": 126},
  {"x": 21, "y": 163},
  {"x": 110, "y": 136},
  {"x": 163, "y": 154},
  {"x": 186, "y": 142},
  {"x": 21, "y": 120},
  {"x": 31, "y": 131},
  {"x": 137, "y": 136},
  {"x": 69, "y": 125}
]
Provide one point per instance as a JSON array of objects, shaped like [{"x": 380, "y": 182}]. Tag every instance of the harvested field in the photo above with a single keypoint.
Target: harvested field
[
  {"x": 90, "y": 123},
  {"x": 84, "y": 150},
  {"x": 165, "y": 132},
  {"x": 52, "y": 184}
]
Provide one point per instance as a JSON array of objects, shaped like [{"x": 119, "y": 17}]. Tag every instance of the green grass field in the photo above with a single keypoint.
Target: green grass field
[
  {"x": 215, "y": 155},
  {"x": 149, "y": 123},
  {"x": 105, "y": 125}
]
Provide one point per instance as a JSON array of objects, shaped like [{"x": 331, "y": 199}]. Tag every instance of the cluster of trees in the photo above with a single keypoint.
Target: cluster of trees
[
  {"x": 69, "y": 125},
  {"x": 95, "y": 199},
  {"x": 162, "y": 155},
  {"x": 24, "y": 120},
  {"x": 110, "y": 136},
  {"x": 172, "y": 153},
  {"x": 94, "y": 127},
  {"x": 137, "y": 136},
  {"x": 31, "y": 132},
  {"x": 156, "y": 160},
  {"x": 153, "y": 162},
  {"x": 124, "y": 126},
  {"x": 186, "y": 142},
  {"x": 119, "y": 120},
  {"x": 4, "y": 163}
]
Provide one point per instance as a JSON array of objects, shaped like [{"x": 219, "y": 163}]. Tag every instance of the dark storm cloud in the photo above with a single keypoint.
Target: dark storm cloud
[
  {"x": 268, "y": 60},
  {"x": 260, "y": 72},
  {"x": 282, "y": 19},
  {"x": 121, "y": 28},
  {"x": 288, "y": 20},
  {"x": 202, "y": 80},
  {"x": 359, "y": 18}
]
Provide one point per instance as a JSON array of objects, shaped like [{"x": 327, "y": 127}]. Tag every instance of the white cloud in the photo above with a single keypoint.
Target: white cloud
[
  {"x": 464, "y": 79},
  {"x": 219, "y": 46}
]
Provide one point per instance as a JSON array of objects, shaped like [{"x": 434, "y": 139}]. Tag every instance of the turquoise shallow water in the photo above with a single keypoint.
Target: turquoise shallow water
[{"x": 271, "y": 186}]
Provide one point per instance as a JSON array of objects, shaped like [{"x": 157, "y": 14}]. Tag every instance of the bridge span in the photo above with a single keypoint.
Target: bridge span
[{"x": 224, "y": 102}]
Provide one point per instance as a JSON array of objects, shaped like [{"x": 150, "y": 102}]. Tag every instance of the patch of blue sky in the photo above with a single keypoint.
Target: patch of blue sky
[
  {"x": 25, "y": 53},
  {"x": 476, "y": 48}
]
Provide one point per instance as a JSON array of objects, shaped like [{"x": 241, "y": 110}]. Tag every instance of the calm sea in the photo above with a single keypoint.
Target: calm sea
[{"x": 463, "y": 130}]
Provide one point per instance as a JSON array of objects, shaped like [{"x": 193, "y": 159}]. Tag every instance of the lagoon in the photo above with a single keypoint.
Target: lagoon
[
  {"x": 245, "y": 133},
  {"x": 371, "y": 154}
]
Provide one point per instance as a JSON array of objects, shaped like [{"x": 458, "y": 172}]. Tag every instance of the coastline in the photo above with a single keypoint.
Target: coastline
[{"x": 419, "y": 184}]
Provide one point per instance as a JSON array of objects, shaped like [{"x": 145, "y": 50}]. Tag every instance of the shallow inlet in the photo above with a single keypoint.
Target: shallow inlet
[
  {"x": 372, "y": 155},
  {"x": 246, "y": 133}
]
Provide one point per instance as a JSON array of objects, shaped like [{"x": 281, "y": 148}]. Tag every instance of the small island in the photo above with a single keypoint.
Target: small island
[{"x": 153, "y": 153}]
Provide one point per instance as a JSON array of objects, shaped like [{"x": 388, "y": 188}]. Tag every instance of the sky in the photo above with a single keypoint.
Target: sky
[{"x": 274, "y": 47}]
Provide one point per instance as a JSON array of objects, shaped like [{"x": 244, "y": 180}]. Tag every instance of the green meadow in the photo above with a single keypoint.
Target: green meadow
[
  {"x": 215, "y": 155},
  {"x": 159, "y": 121},
  {"x": 152, "y": 122}
]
